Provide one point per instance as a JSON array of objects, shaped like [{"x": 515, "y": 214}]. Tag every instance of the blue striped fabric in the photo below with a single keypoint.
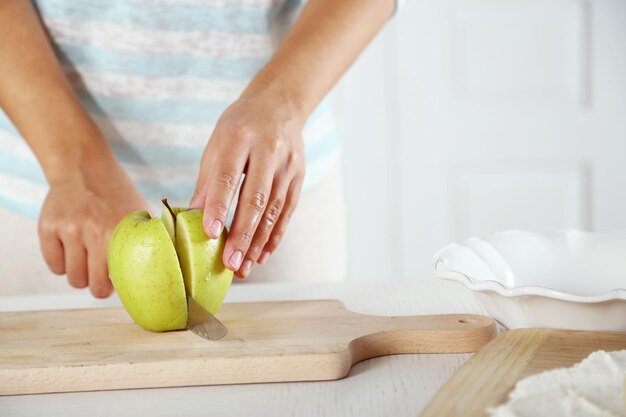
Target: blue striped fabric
[
  {"x": 164, "y": 16},
  {"x": 100, "y": 59},
  {"x": 156, "y": 75},
  {"x": 29, "y": 210}
]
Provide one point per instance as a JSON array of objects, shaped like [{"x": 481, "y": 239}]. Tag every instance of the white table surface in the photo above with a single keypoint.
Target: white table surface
[{"x": 389, "y": 386}]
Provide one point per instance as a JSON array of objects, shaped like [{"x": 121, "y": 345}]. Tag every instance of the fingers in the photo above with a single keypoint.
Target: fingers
[
  {"x": 99, "y": 282},
  {"x": 278, "y": 231},
  {"x": 199, "y": 195},
  {"x": 269, "y": 150},
  {"x": 220, "y": 190},
  {"x": 253, "y": 199},
  {"x": 270, "y": 217},
  {"x": 76, "y": 263},
  {"x": 51, "y": 249},
  {"x": 84, "y": 263},
  {"x": 273, "y": 225}
]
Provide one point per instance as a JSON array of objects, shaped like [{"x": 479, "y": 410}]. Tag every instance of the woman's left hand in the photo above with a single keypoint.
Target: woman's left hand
[{"x": 259, "y": 136}]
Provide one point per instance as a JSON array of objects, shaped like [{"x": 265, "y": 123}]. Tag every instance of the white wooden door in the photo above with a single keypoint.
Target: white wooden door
[{"x": 472, "y": 116}]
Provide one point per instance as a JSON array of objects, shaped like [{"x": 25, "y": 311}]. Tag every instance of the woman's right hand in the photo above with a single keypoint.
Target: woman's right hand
[
  {"x": 89, "y": 190},
  {"x": 78, "y": 216}
]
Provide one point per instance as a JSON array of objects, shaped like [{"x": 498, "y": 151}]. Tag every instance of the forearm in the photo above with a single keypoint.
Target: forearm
[
  {"x": 325, "y": 40},
  {"x": 37, "y": 97}
]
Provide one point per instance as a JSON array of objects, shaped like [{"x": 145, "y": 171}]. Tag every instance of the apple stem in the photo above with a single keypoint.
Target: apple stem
[{"x": 164, "y": 201}]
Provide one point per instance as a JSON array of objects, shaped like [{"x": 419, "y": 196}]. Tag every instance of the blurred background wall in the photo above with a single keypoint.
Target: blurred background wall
[{"x": 466, "y": 117}]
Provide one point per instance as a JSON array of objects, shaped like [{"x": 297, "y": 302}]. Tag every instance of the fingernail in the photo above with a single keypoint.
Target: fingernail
[
  {"x": 247, "y": 266},
  {"x": 264, "y": 257},
  {"x": 216, "y": 228},
  {"x": 235, "y": 259}
]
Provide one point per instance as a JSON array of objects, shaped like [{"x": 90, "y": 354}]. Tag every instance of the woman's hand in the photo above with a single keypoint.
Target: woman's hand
[
  {"x": 80, "y": 212},
  {"x": 89, "y": 191},
  {"x": 260, "y": 136}
]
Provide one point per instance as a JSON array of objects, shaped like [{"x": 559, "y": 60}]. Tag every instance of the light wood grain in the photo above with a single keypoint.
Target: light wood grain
[
  {"x": 99, "y": 349},
  {"x": 396, "y": 385},
  {"x": 487, "y": 378}
]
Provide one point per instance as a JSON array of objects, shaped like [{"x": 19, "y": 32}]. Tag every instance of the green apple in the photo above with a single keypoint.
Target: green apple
[
  {"x": 206, "y": 278},
  {"x": 154, "y": 263}
]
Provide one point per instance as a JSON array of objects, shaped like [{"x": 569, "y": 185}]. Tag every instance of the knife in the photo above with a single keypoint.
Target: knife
[{"x": 203, "y": 323}]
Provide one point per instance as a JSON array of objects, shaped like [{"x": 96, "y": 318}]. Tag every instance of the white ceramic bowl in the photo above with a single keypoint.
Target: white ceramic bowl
[{"x": 566, "y": 280}]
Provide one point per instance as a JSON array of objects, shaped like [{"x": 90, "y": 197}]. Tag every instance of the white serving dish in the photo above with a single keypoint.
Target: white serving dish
[{"x": 567, "y": 280}]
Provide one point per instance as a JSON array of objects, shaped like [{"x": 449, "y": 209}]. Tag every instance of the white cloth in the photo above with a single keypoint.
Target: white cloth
[{"x": 591, "y": 388}]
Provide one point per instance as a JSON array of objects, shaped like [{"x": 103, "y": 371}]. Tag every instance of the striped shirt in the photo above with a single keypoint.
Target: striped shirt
[{"x": 155, "y": 75}]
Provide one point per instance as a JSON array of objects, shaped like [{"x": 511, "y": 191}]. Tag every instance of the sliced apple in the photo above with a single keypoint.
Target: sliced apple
[
  {"x": 145, "y": 271},
  {"x": 154, "y": 263},
  {"x": 206, "y": 278},
  {"x": 169, "y": 219}
]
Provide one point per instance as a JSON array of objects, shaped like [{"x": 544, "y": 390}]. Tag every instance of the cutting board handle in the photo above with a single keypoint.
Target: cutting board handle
[{"x": 446, "y": 333}]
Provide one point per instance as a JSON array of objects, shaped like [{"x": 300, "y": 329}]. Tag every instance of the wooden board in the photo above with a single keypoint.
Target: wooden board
[
  {"x": 487, "y": 378},
  {"x": 100, "y": 349}
]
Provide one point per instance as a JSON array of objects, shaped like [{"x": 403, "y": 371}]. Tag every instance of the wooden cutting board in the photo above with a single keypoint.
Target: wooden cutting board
[
  {"x": 487, "y": 378},
  {"x": 100, "y": 349}
]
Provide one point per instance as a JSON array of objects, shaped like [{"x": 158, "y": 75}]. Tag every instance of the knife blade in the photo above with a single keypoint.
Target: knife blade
[{"x": 203, "y": 323}]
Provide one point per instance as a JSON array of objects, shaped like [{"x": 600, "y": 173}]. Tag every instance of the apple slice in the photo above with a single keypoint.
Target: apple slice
[
  {"x": 169, "y": 219},
  {"x": 206, "y": 278},
  {"x": 154, "y": 263},
  {"x": 145, "y": 272}
]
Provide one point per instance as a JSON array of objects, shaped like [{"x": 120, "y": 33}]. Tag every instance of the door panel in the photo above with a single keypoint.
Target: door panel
[{"x": 498, "y": 115}]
